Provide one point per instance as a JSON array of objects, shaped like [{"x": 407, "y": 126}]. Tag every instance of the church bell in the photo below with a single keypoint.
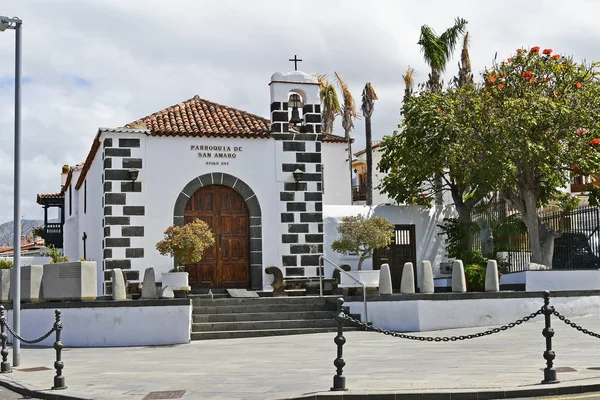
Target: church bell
[{"x": 294, "y": 102}]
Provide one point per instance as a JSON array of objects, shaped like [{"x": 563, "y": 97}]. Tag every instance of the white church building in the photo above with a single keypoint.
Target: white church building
[{"x": 260, "y": 183}]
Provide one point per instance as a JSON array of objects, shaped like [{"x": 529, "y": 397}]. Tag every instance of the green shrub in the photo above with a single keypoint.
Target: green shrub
[
  {"x": 475, "y": 277},
  {"x": 56, "y": 256},
  {"x": 6, "y": 264}
]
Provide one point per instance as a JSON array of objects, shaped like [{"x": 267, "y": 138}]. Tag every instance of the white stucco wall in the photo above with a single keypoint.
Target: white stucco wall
[
  {"x": 429, "y": 244},
  {"x": 90, "y": 218},
  {"x": 111, "y": 326},
  {"x": 336, "y": 174},
  {"x": 172, "y": 165},
  {"x": 71, "y": 227},
  {"x": 430, "y": 315}
]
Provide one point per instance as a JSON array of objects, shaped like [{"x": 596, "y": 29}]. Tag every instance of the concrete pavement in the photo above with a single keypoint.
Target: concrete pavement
[{"x": 506, "y": 364}]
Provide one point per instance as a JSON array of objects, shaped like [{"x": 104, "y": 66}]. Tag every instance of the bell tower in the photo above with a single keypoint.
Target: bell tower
[{"x": 296, "y": 127}]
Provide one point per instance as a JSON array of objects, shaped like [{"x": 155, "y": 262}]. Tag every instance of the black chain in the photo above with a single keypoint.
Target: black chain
[
  {"x": 443, "y": 338},
  {"x": 3, "y": 321},
  {"x": 574, "y": 325}
]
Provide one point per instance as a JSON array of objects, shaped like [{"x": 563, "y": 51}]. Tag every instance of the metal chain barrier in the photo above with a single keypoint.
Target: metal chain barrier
[
  {"x": 442, "y": 338},
  {"x": 5, "y": 367},
  {"x": 34, "y": 341},
  {"x": 574, "y": 325},
  {"x": 339, "y": 380}
]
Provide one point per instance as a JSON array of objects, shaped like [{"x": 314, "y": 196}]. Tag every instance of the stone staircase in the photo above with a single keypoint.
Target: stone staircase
[{"x": 227, "y": 318}]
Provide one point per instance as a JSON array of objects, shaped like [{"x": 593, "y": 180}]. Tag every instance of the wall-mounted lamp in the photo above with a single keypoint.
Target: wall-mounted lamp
[
  {"x": 298, "y": 175},
  {"x": 133, "y": 174}
]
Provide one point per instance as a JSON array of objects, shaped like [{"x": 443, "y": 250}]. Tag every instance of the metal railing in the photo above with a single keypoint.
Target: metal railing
[
  {"x": 5, "y": 367},
  {"x": 339, "y": 380},
  {"x": 322, "y": 271}
]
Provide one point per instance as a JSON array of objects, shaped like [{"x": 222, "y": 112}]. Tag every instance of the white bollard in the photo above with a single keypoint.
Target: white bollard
[
  {"x": 149, "y": 285},
  {"x": 492, "y": 283},
  {"x": 459, "y": 283},
  {"x": 407, "y": 284},
  {"x": 119, "y": 292},
  {"x": 385, "y": 280},
  {"x": 426, "y": 284}
]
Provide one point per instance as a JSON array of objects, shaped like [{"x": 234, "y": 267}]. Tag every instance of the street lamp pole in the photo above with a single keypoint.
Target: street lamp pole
[{"x": 15, "y": 23}]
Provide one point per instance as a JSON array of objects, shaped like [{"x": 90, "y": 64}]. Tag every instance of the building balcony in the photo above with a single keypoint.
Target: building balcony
[{"x": 53, "y": 235}]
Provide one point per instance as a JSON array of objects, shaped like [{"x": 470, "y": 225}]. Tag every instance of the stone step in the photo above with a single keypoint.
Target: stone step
[
  {"x": 273, "y": 316},
  {"x": 263, "y": 325},
  {"x": 261, "y": 333},
  {"x": 261, "y": 308},
  {"x": 260, "y": 300},
  {"x": 208, "y": 296}
]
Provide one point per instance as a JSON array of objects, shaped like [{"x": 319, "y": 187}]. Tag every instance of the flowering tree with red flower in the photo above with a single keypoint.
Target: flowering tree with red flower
[{"x": 542, "y": 121}]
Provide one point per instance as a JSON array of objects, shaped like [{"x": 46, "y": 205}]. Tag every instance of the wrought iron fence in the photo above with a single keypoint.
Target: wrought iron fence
[{"x": 576, "y": 247}]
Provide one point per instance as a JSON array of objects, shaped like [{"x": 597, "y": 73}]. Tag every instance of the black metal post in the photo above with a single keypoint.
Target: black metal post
[
  {"x": 59, "y": 379},
  {"x": 548, "y": 332},
  {"x": 339, "y": 380},
  {"x": 5, "y": 364}
]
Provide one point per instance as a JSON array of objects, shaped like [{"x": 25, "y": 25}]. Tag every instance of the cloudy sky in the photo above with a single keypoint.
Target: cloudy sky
[{"x": 104, "y": 63}]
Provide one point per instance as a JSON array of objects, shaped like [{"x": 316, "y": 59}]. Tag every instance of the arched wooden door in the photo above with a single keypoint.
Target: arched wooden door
[{"x": 227, "y": 263}]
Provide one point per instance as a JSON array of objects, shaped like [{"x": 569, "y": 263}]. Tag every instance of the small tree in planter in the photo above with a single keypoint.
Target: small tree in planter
[
  {"x": 186, "y": 244},
  {"x": 362, "y": 236}
]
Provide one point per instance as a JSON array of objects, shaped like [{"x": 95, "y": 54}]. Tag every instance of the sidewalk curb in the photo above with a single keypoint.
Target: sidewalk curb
[
  {"x": 457, "y": 394},
  {"x": 28, "y": 391}
]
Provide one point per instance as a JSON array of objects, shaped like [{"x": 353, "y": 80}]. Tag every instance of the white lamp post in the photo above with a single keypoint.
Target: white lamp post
[{"x": 15, "y": 23}]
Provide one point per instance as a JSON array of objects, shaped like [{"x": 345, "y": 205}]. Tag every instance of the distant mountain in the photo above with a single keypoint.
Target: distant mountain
[{"x": 27, "y": 227}]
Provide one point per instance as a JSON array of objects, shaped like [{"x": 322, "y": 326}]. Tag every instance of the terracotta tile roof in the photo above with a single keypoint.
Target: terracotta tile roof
[
  {"x": 329, "y": 138},
  {"x": 199, "y": 117},
  {"x": 57, "y": 195},
  {"x": 363, "y": 151}
]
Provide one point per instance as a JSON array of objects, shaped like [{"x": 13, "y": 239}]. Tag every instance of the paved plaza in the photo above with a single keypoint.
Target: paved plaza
[{"x": 292, "y": 366}]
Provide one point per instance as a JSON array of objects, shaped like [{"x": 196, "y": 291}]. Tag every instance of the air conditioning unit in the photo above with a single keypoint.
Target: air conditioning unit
[{"x": 446, "y": 267}]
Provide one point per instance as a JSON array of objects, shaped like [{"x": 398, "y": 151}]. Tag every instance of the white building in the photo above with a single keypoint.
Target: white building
[{"x": 232, "y": 169}]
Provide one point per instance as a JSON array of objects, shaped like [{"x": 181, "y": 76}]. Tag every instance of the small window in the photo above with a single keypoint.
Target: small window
[
  {"x": 84, "y": 196},
  {"x": 70, "y": 201},
  {"x": 322, "y": 178}
]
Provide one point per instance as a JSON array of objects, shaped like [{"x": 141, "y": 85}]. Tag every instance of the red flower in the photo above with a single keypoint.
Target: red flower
[
  {"x": 580, "y": 131},
  {"x": 510, "y": 59},
  {"x": 491, "y": 80},
  {"x": 546, "y": 79},
  {"x": 595, "y": 141},
  {"x": 575, "y": 166},
  {"x": 439, "y": 110},
  {"x": 526, "y": 74},
  {"x": 519, "y": 51},
  {"x": 532, "y": 79},
  {"x": 501, "y": 86},
  {"x": 556, "y": 56},
  {"x": 547, "y": 51},
  {"x": 578, "y": 84},
  {"x": 535, "y": 49}
]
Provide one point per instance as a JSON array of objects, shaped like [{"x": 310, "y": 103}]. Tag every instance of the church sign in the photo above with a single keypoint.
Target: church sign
[{"x": 216, "y": 153}]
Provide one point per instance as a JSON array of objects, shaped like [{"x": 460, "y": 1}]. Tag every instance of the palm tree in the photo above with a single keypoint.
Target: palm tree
[
  {"x": 437, "y": 50},
  {"x": 348, "y": 117},
  {"x": 368, "y": 103},
  {"x": 409, "y": 82},
  {"x": 329, "y": 103},
  {"x": 465, "y": 74}
]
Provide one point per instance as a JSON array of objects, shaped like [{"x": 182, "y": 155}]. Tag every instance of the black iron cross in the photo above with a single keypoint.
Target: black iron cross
[{"x": 295, "y": 60}]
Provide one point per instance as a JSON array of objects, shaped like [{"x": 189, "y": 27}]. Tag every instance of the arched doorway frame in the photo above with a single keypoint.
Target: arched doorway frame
[{"x": 254, "y": 213}]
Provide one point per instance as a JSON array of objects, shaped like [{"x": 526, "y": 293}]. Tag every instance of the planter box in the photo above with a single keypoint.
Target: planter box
[
  {"x": 70, "y": 281},
  {"x": 5, "y": 277},
  {"x": 31, "y": 283},
  {"x": 176, "y": 281},
  {"x": 369, "y": 278}
]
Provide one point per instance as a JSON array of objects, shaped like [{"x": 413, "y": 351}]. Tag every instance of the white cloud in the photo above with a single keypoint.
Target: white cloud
[{"x": 140, "y": 56}]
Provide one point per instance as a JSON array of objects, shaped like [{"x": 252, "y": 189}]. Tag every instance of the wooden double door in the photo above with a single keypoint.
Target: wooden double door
[
  {"x": 403, "y": 249},
  {"x": 227, "y": 263}
]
